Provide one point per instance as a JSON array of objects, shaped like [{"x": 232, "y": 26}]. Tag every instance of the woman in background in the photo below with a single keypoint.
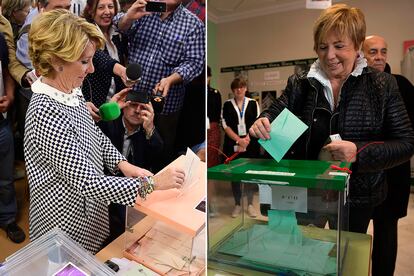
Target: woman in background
[
  {"x": 238, "y": 115},
  {"x": 104, "y": 82},
  {"x": 16, "y": 12}
]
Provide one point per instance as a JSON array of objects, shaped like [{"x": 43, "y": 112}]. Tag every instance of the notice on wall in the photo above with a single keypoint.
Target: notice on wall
[{"x": 271, "y": 75}]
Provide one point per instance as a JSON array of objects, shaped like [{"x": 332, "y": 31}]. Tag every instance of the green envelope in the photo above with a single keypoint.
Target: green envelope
[{"x": 285, "y": 130}]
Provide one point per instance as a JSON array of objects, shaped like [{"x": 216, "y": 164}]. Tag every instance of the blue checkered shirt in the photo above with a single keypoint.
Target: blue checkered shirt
[{"x": 163, "y": 47}]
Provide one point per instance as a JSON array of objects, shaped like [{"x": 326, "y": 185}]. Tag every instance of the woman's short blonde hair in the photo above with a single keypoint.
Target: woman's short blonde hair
[
  {"x": 342, "y": 19},
  {"x": 62, "y": 35}
]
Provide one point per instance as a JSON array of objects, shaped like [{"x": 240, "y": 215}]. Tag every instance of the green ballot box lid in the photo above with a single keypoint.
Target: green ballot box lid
[{"x": 298, "y": 173}]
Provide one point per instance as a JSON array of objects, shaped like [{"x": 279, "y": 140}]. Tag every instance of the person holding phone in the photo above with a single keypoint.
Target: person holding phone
[
  {"x": 169, "y": 61},
  {"x": 136, "y": 137}
]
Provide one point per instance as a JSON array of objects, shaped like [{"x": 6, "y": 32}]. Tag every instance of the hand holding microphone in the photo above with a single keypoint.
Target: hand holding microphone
[{"x": 133, "y": 73}]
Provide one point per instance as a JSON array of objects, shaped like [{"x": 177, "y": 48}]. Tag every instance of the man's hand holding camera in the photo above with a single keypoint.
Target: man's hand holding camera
[
  {"x": 136, "y": 11},
  {"x": 147, "y": 115}
]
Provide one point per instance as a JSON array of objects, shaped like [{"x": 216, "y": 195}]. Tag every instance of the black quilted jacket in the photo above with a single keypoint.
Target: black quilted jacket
[{"x": 370, "y": 109}]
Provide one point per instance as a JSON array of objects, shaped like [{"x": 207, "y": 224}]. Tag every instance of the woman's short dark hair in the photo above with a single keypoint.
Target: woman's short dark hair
[
  {"x": 90, "y": 9},
  {"x": 237, "y": 83}
]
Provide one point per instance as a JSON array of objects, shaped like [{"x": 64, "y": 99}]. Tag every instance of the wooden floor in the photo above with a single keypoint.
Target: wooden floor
[{"x": 404, "y": 266}]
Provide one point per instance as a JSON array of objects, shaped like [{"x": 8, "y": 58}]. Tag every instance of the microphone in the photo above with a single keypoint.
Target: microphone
[
  {"x": 109, "y": 111},
  {"x": 133, "y": 72}
]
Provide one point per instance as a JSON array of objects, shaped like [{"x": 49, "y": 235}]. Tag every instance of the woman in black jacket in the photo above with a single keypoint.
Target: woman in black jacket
[
  {"x": 102, "y": 84},
  {"x": 340, "y": 94}
]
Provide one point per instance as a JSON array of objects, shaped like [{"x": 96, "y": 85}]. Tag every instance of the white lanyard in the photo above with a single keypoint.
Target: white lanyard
[{"x": 241, "y": 127}]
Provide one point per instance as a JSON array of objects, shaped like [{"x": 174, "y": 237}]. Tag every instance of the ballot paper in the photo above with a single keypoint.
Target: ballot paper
[
  {"x": 285, "y": 130},
  {"x": 191, "y": 161}
]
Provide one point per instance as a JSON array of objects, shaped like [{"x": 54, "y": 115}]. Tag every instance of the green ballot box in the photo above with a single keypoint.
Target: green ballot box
[{"x": 300, "y": 218}]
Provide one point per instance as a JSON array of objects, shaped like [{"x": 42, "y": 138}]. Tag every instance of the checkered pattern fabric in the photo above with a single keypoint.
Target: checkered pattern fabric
[
  {"x": 163, "y": 47},
  {"x": 65, "y": 156}
]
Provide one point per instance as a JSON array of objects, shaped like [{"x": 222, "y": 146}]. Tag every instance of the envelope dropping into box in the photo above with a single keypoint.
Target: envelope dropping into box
[{"x": 285, "y": 130}]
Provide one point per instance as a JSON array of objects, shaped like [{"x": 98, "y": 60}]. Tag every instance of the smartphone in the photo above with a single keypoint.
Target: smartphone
[
  {"x": 156, "y": 6},
  {"x": 112, "y": 265}
]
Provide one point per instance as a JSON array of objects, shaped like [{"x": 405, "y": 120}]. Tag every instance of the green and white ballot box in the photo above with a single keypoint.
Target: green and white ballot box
[{"x": 301, "y": 208}]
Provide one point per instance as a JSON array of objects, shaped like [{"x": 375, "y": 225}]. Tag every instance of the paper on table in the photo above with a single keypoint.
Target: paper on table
[{"x": 285, "y": 130}]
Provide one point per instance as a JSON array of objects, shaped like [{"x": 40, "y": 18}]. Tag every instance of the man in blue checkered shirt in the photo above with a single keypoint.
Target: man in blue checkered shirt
[{"x": 170, "y": 47}]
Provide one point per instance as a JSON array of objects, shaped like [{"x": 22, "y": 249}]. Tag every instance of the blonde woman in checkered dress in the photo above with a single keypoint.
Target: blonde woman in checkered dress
[{"x": 65, "y": 152}]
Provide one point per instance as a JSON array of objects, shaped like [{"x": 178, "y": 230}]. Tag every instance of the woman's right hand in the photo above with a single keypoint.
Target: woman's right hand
[
  {"x": 261, "y": 129},
  {"x": 168, "y": 179}
]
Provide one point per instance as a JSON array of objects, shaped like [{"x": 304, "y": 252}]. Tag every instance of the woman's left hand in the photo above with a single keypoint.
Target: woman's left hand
[
  {"x": 344, "y": 151},
  {"x": 130, "y": 170}
]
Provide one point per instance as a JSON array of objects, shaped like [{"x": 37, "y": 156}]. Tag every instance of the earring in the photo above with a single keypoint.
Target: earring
[{"x": 60, "y": 68}]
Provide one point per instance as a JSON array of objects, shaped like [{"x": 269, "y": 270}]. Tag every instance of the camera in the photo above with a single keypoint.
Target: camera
[
  {"x": 156, "y": 6},
  {"x": 158, "y": 101},
  {"x": 137, "y": 97}
]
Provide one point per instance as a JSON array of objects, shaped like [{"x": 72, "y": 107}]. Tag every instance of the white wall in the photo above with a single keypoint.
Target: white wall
[{"x": 288, "y": 35}]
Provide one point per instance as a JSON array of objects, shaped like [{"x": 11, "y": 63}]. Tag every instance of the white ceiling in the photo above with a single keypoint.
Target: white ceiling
[{"x": 220, "y": 11}]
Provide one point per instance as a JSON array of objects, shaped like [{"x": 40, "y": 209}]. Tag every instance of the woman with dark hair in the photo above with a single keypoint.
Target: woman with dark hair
[{"x": 103, "y": 81}]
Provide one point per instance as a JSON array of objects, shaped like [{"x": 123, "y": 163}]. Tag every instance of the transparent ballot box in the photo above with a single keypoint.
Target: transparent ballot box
[
  {"x": 166, "y": 232},
  {"x": 53, "y": 254},
  {"x": 298, "y": 218}
]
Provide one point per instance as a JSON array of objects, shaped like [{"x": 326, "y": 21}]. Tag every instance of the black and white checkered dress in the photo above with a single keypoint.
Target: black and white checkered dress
[{"x": 65, "y": 157}]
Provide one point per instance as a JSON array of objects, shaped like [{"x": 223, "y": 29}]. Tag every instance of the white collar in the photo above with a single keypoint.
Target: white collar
[
  {"x": 317, "y": 72},
  {"x": 71, "y": 99}
]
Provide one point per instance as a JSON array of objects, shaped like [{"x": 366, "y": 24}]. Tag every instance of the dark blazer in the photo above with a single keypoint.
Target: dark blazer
[
  {"x": 370, "y": 109},
  {"x": 145, "y": 152},
  {"x": 399, "y": 177}
]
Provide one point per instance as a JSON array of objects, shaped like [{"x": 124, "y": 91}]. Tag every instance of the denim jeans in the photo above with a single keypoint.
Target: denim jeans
[{"x": 8, "y": 205}]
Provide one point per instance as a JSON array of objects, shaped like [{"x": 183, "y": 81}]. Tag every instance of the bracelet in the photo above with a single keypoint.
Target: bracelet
[{"x": 146, "y": 187}]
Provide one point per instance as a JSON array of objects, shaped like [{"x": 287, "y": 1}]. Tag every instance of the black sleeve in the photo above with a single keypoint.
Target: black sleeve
[
  {"x": 407, "y": 93},
  {"x": 4, "y": 53},
  {"x": 103, "y": 61}
]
